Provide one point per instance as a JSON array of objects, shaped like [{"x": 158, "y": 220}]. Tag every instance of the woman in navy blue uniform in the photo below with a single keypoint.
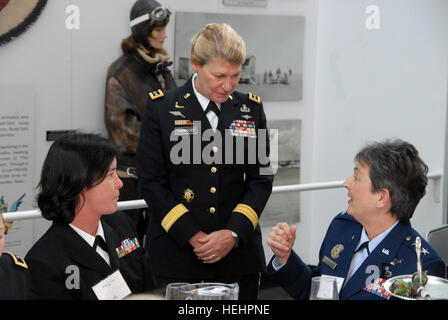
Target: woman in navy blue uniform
[
  {"x": 204, "y": 184},
  {"x": 373, "y": 240},
  {"x": 87, "y": 241}
]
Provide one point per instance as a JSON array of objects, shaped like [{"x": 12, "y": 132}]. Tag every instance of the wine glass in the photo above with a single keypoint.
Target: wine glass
[{"x": 324, "y": 288}]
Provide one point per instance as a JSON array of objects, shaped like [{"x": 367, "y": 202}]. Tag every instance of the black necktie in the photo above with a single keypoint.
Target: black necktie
[
  {"x": 99, "y": 242},
  {"x": 365, "y": 244},
  {"x": 213, "y": 107}
]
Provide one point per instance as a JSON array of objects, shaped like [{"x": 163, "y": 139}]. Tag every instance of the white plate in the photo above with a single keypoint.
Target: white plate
[{"x": 436, "y": 287}]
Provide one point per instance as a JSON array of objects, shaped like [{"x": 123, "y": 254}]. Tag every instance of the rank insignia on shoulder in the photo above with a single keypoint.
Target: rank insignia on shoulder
[
  {"x": 254, "y": 98},
  {"x": 19, "y": 261},
  {"x": 156, "y": 94}
]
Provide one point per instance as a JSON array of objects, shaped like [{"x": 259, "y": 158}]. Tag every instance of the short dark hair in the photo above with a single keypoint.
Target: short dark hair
[
  {"x": 74, "y": 162},
  {"x": 395, "y": 165}
]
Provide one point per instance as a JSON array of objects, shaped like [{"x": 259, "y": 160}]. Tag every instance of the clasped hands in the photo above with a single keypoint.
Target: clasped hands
[{"x": 212, "y": 247}]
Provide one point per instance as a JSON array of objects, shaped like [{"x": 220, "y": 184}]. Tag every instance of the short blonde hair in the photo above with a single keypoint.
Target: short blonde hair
[{"x": 218, "y": 41}]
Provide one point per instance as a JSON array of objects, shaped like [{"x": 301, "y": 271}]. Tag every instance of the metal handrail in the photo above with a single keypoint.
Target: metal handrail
[{"x": 138, "y": 204}]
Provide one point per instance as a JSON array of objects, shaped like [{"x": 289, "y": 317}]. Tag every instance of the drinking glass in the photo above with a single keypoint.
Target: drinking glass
[
  {"x": 209, "y": 291},
  {"x": 173, "y": 290},
  {"x": 324, "y": 288}
]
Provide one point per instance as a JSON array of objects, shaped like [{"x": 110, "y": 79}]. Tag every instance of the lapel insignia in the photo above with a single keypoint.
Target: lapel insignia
[
  {"x": 254, "y": 98},
  {"x": 188, "y": 195},
  {"x": 337, "y": 249},
  {"x": 187, "y": 95},
  {"x": 127, "y": 246},
  {"x": 183, "y": 123},
  {"x": 177, "y": 113},
  {"x": 246, "y": 116},
  {"x": 230, "y": 97},
  {"x": 245, "y": 108},
  {"x": 156, "y": 94},
  {"x": 423, "y": 250},
  {"x": 385, "y": 251},
  {"x": 178, "y": 106}
]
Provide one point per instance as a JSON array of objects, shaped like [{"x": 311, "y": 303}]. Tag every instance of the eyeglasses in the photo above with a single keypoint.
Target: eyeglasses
[{"x": 157, "y": 14}]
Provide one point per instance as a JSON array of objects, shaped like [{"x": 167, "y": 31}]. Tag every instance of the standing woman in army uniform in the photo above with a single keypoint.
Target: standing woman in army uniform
[
  {"x": 14, "y": 276},
  {"x": 142, "y": 68},
  {"x": 206, "y": 187}
]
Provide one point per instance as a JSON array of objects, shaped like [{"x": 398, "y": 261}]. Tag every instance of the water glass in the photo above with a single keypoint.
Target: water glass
[{"x": 324, "y": 288}]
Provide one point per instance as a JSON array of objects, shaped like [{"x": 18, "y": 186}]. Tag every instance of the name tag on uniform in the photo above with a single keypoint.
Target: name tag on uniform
[
  {"x": 112, "y": 288},
  {"x": 182, "y": 131}
]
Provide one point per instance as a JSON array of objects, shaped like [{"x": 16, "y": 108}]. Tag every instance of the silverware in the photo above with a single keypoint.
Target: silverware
[{"x": 418, "y": 249}]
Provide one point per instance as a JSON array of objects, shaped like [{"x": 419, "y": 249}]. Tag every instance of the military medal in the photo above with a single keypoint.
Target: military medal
[
  {"x": 337, "y": 249},
  {"x": 188, "y": 195},
  {"x": 183, "y": 123},
  {"x": 177, "y": 114},
  {"x": 127, "y": 246},
  {"x": 243, "y": 128},
  {"x": 245, "y": 108},
  {"x": 377, "y": 288}
]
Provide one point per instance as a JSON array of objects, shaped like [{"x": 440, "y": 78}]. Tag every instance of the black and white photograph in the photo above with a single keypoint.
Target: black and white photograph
[
  {"x": 273, "y": 74},
  {"x": 285, "y": 138}
]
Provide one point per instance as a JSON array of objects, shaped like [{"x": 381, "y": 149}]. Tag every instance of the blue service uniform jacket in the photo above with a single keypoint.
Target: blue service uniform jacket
[
  {"x": 52, "y": 259},
  {"x": 194, "y": 180},
  {"x": 394, "y": 256}
]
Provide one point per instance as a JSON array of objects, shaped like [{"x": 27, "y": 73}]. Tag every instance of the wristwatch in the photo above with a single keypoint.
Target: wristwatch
[{"x": 235, "y": 236}]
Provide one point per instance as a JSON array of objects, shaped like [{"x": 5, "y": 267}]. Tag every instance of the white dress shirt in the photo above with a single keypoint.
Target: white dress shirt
[
  {"x": 359, "y": 257},
  {"x": 204, "y": 101},
  {"x": 91, "y": 240}
]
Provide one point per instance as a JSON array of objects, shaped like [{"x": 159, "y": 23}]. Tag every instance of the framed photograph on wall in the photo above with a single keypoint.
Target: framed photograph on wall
[
  {"x": 274, "y": 51},
  {"x": 284, "y": 206}
]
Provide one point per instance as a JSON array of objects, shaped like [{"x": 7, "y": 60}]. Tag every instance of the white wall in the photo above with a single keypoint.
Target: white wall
[
  {"x": 359, "y": 85},
  {"x": 374, "y": 84}
]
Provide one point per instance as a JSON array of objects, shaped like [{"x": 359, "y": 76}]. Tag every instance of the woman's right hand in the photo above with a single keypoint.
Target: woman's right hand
[{"x": 281, "y": 240}]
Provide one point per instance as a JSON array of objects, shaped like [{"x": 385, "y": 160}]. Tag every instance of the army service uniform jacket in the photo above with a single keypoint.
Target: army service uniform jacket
[
  {"x": 14, "y": 277},
  {"x": 193, "y": 181},
  {"x": 61, "y": 255},
  {"x": 393, "y": 256}
]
